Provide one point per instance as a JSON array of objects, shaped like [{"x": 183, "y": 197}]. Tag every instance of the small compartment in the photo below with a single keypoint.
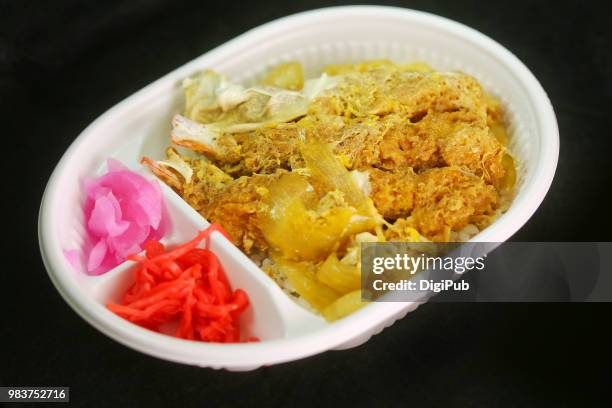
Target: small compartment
[{"x": 262, "y": 318}]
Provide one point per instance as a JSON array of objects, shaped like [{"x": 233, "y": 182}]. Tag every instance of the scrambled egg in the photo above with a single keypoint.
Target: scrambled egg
[{"x": 300, "y": 170}]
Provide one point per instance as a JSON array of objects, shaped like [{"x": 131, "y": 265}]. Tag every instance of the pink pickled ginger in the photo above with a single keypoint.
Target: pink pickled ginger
[{"x": 123, "y": 211}]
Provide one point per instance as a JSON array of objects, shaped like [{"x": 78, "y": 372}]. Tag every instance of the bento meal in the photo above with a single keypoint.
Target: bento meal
[{"x": 301, "y": 172}]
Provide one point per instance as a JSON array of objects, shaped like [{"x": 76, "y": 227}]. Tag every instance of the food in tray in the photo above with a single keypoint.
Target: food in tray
[
  {"x": 122, "y": 210},
  {"x": 300, "y": 172},
  {"x": 185, "y": 286}
]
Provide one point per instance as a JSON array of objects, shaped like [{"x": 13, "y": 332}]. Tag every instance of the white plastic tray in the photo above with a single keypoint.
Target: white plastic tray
[{"x": 140, "y": 125}]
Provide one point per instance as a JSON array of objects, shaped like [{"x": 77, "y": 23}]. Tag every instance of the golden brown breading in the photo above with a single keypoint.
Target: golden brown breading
[
  {"x": 382, "y": 91},
  {"x": 448, "y": 199},
  {"x": 432, "y": 144},
  {"x": 437, "y": 200},
  {"x": 406, "y": 144},
  {"x": 262, "y": 150},
  {"x": 393, "y": 192},
  {"x": 382, "y": 118},
  {"x": 391, "y": 143},
  {"x": 239, "y": 206},
  {"x": 474, "y": 149},
  {"x": 205, "y": 180},
  {"x": 233, "y": 203}
]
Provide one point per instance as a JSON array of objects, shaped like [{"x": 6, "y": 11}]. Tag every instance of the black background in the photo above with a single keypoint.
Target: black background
[{"x": 63, "y": 63}]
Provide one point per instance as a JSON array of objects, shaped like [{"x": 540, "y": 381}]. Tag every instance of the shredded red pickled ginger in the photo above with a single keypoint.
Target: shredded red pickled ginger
[{"x": 188, "y": 285}]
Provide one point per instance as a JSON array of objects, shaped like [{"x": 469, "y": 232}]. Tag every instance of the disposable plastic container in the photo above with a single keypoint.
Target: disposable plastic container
[{"x": 140, "y": 125}]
